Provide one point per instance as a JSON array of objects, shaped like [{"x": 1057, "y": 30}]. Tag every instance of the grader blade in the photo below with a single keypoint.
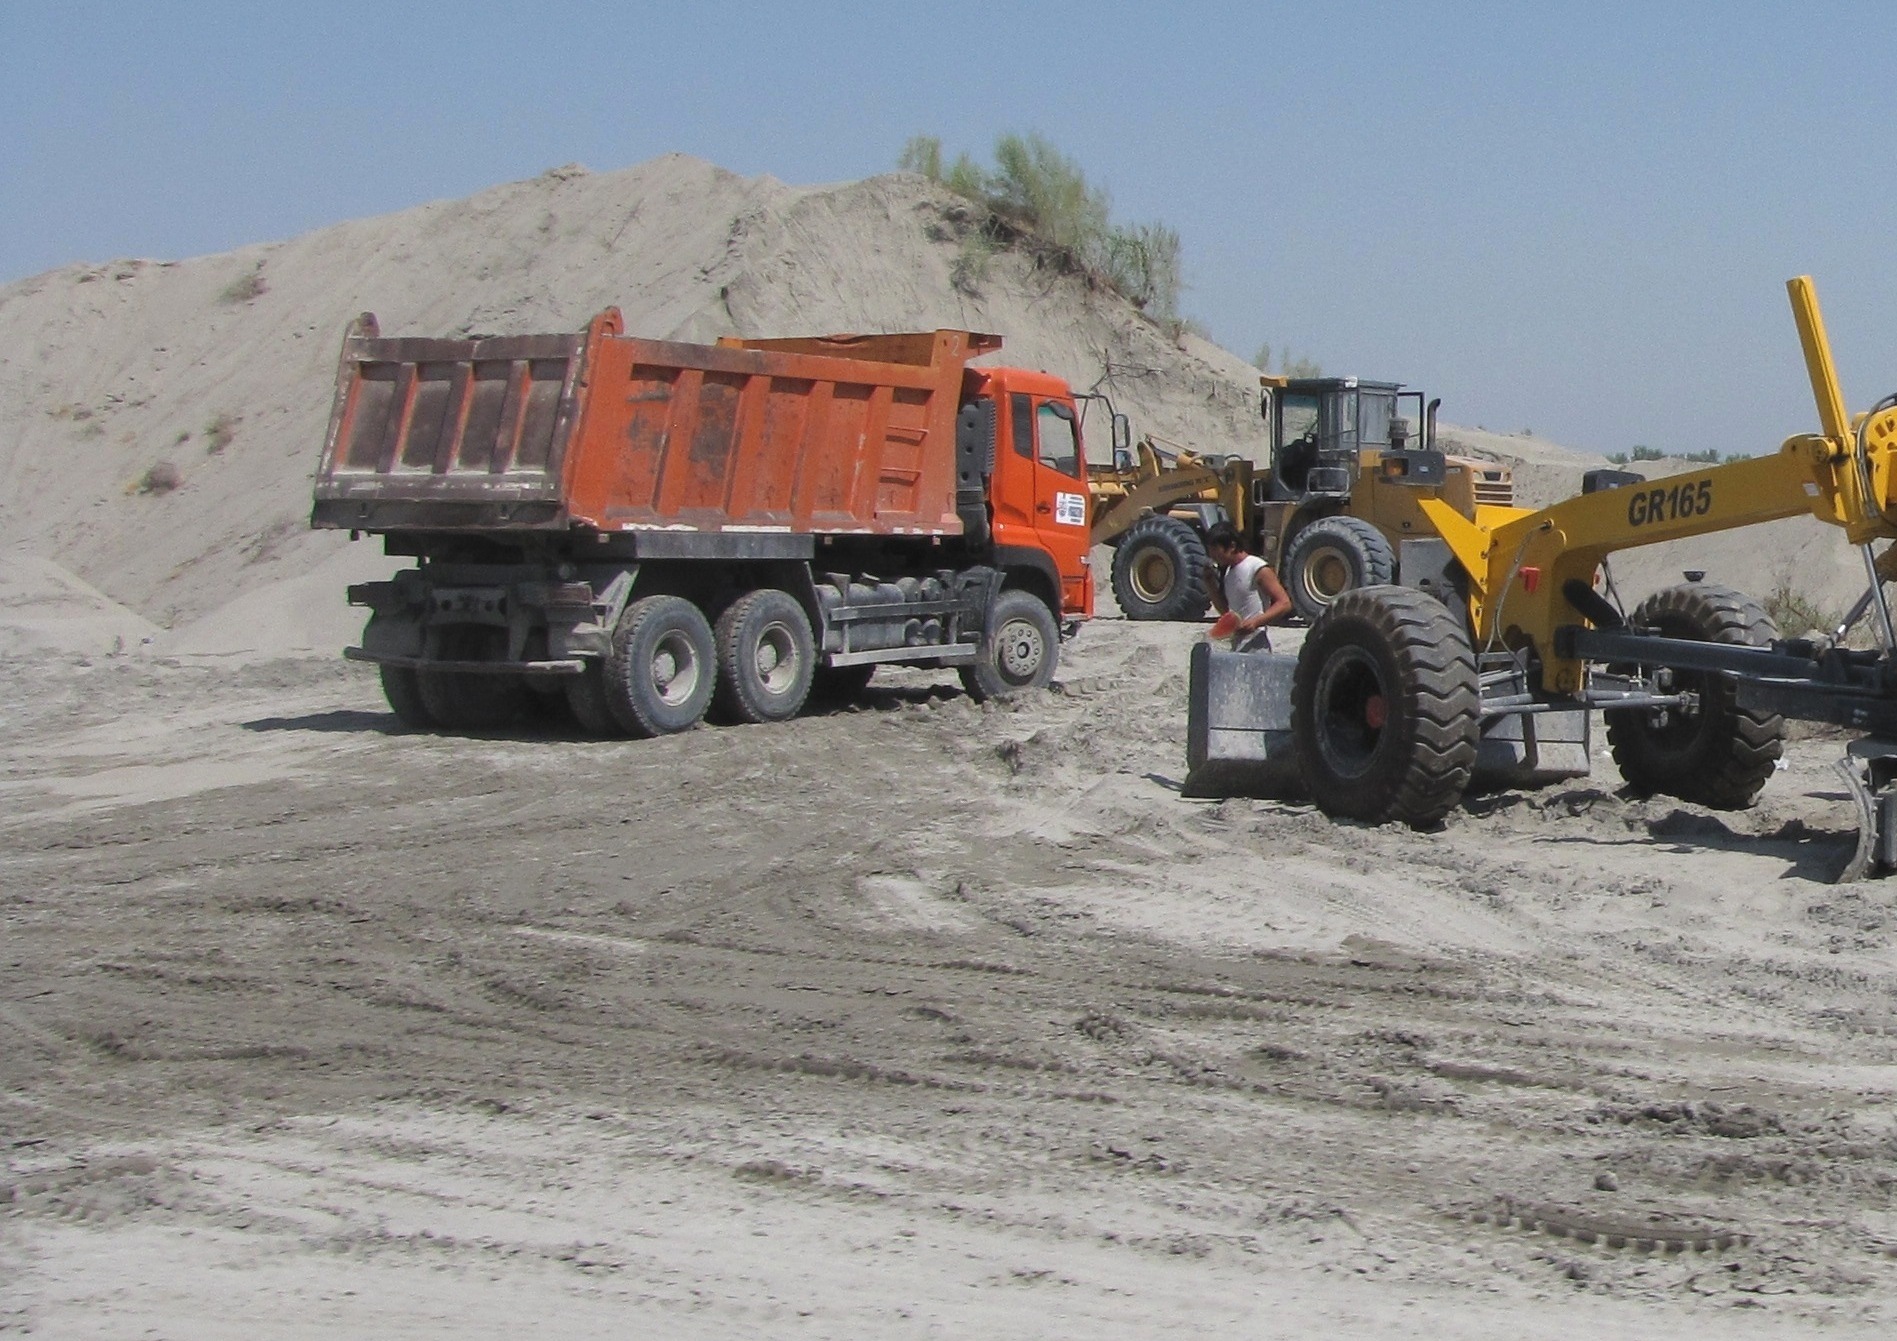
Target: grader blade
[
  {"x": 1238, "y": 725},
  {"x": 1239, "y": 739}
]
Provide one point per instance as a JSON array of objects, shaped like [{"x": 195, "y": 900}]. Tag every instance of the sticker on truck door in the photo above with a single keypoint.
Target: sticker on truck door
[{"x": 1070, "y": 509}]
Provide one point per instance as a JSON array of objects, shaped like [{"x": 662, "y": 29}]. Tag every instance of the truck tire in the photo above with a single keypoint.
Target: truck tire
[
  {"x": 662, "y": 668},
  {"x": 1331, "y": 556},
  {"x": 586, "y": 700},
  {"x": 1721, "y": 754},
  {"x": 402, "y": 687},
  {"x": 471, "y": 700},
  {"x": 1019, "y": 649},
  {"x": 1159, "y": 571},
  {"x": 766, "y": 657},
  {"x": 1385, "y": 707}
]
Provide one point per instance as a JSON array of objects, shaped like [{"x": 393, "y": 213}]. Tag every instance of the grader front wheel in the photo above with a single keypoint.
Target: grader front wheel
[{"x": 1385, "y": 707}]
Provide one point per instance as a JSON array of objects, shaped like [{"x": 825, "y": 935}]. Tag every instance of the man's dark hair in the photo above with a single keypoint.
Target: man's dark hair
[{"x": 1224, "y": 536}]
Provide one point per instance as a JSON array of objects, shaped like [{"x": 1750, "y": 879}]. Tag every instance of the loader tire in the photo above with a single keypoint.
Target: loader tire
[
  {"x": 1721, "y": 754},
  {"x": 402, "y": 687},
  {"x": 1019, "y": 649},
  {"x": 471, "y": 700},
  {"x": 766, "y": 657},
  {"x": 1385, "y": 707},
  {"x": 662, "y": 668},
  {"x": 1159, "y": 571},
  {"x": 1334, "y": 555}
]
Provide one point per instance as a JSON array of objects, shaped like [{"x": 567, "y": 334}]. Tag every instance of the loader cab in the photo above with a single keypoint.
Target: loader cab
[{"x": 1317, "y": 427}]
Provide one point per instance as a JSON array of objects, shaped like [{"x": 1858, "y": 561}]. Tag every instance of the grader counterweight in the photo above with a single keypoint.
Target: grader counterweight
[{"x": 1380, "y": 720}]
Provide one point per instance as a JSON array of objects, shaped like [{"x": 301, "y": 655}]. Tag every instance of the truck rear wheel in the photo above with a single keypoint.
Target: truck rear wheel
[
  {"x": 471, "y": 700},
  {"x": 402, "y": 687},
  {"x": 1159, "y": 571},
  {"x": 1720, "y": 754},
  {"x": 1019, "y": 649},
  {"x": 1334, "y": 555},
  {"x": 660, "y": 673},
  {"x": 766, "y": 657},
  {"x": 1385, "y": 707}
]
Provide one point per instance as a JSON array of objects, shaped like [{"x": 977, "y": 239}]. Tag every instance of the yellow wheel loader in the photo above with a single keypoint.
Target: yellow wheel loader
[
  {"x": 1329, "y": 510},
  {"x": 1484, "y": 663}
]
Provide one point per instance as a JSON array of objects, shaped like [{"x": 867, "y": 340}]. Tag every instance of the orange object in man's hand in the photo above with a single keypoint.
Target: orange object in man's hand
[{"x": 1224, "y": 626}]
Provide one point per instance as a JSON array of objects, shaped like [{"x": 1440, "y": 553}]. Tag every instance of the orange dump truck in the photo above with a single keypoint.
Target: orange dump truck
[{"x": 649, "y": 529}]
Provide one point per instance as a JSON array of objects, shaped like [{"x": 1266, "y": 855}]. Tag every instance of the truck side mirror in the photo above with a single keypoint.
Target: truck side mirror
[{"x": 1122, "y": 435}]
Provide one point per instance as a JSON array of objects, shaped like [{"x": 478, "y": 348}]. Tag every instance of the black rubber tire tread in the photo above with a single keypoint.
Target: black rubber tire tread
[
  {"x": 1722, "y": 756},
  {"x": 841, "y": 684},
  {"x": 1186, "y": 599},
  {"x": 1422, "y": 757},
  {"x": 986, "y": 678},
  {"x": 1372, "y": 562},
  {"x": 402, "y": 687},
  {"x": 586, "y": 700},
  {"x": 466, "y": 700},
  {"x": 630, "y": 695},
  {"x": 741, "y": 695}
]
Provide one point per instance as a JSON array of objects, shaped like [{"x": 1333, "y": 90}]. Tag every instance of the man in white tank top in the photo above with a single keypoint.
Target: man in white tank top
[{"x": 1243, "y": 584}]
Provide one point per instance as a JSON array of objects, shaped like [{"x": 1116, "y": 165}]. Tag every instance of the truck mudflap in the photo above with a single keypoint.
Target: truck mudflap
[{"x": 1238, "y": 733}]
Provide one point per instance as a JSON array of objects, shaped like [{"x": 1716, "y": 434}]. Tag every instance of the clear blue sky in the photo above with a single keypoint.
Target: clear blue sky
[{"x": 1570, "y": 218}]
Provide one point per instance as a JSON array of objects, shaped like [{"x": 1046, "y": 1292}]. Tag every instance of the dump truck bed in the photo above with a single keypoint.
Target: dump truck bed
[{"x": 838, "y": 435}]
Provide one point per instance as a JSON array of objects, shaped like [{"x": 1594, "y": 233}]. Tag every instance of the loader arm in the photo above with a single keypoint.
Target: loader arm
[{"x": 1519, "y": 572}]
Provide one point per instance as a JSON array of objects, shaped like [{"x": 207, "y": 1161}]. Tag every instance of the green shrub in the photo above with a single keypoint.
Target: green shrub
[
  {"x": 1289, "y": 365},
  {"x": 1044, "y": 196},
  {"x": 249, "y": 285},
  {"x": 1796, "y": 613},
  {"x": 160, "y": 478},
  {"x": 218, "y": 433}
]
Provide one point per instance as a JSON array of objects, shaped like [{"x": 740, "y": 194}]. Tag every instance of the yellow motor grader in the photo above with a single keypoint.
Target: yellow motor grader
[
  {"x": 1329, "y": 510},
  {"x": 1489, "y": 658}
]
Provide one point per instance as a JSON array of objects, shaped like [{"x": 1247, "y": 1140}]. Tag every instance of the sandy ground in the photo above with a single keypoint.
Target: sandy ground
[{"x": 910, "y": 1019}]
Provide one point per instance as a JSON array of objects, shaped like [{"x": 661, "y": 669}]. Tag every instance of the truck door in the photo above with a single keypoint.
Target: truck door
[{"x": 1059, "y": 490}]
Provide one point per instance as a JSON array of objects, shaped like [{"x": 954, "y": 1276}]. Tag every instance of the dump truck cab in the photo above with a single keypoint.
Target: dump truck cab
[{"x": 1038, "y": 490}]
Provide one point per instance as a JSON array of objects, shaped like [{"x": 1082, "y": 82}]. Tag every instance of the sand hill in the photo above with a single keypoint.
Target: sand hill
[{"x": 162, "y": 418}]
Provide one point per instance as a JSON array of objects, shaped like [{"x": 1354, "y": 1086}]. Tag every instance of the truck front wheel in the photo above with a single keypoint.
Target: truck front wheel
[
  {"x": 662, "y": 667},
  {"x": 1159, "y": 571},
  {"x": 765, "y": 657},
  {"x": 1019, "y": 649}
]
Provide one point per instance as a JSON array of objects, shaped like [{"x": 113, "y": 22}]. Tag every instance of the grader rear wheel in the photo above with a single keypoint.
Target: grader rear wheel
[
  {"x": 1719, "y": 754},
  {"x": 1385, "y": 707}
]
